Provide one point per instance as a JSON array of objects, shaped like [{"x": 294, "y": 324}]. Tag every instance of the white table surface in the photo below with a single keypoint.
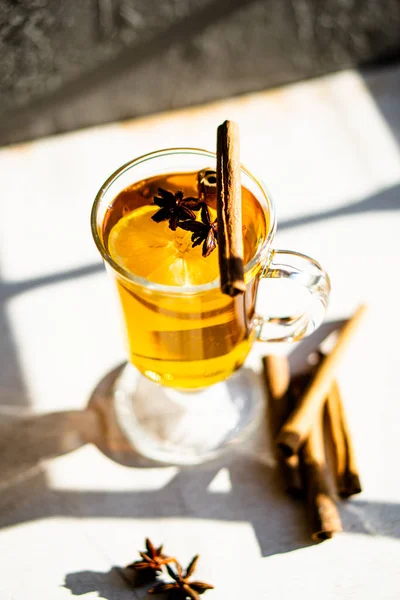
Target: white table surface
[{"x": 329, "y": 152}]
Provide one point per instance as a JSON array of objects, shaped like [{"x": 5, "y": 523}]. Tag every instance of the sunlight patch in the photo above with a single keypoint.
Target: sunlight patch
[{"x": 221, "y": 483}]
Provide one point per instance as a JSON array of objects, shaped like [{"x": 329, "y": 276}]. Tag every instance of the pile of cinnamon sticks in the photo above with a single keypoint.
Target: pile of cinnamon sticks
[{"x": 309, "y": 425}]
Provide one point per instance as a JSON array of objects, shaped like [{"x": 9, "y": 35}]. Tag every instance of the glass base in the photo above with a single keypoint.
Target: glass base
[{"x": 185, "y": 427}]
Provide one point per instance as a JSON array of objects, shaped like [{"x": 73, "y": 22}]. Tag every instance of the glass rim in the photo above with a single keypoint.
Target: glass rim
[{"x": 173, "y": 289}]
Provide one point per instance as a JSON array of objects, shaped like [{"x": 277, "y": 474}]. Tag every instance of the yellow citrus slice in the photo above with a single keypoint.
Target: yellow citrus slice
[{"x": 152, "y": 250}]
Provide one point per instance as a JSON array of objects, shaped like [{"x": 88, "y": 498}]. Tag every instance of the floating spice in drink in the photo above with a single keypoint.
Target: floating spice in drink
[{"x": 161, "y": 229}]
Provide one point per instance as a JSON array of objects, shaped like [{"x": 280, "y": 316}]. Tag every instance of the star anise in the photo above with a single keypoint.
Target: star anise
[
  {"x": 181, "y": 588},
  {"x": 204, "y": 231},
  {"x": 153, "y": 559},
  {"x": 174, "y": 208}
]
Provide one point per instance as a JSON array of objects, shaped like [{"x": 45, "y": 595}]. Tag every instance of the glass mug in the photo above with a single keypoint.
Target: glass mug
[{"x": 184, "y": 400}]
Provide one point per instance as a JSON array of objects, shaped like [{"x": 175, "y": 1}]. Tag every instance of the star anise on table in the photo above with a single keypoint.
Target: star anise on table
[
  {"x": 204, "y": 231},
  {"x": 152, "y": 560},
  {"x": 174, "y": 208},
  {"x": 181, "y": 588}
]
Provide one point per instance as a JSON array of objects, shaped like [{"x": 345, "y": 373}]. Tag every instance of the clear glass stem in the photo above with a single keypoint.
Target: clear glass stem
[{"x": 186, "y": 427}]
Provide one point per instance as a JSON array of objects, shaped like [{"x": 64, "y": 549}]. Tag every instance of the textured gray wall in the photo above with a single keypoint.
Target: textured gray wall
[{"x": 69, "y": 64}]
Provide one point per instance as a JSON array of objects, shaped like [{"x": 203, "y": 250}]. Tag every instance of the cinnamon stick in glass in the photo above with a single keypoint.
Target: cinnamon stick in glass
[
  {"x": 347, "y": 476},
  {"x": 277, "y": 380},
  {"x": 229, "y": 210},
  {"x": 297, "y": 427}
]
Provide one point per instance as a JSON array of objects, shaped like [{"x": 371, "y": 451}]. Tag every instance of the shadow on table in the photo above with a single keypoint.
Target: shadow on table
[
  {"x": 387, "y": 199},
  {"x": 384, "y": 86},
  {"x": 117, "y": 583},
  {"x": 110, "y": 585},
  {"x": 358, "y": 517},
  {"x": 255, "y": 495},
  {"x": 14, "y": 398}
]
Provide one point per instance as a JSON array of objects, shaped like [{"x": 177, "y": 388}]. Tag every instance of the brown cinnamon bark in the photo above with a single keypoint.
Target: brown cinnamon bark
[
  {"x": 347, "y": 476},
  {"x": 296, "y": 429},
  {"x": 321, "y": 507},
  {"x": 324, "y": 515},
  {"x": 277, "y": 380},
  {"x": 229, "y": 210}
]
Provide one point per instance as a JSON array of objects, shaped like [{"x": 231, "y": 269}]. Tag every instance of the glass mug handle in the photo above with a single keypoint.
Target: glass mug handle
[{"x": 295, "y": 297}]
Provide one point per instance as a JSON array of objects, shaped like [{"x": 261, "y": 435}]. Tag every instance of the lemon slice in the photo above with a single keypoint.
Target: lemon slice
[{"x": 152, "y": 250}]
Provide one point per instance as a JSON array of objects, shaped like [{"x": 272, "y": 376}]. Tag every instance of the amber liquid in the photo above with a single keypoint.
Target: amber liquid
[{"x": 182, "y": 339}]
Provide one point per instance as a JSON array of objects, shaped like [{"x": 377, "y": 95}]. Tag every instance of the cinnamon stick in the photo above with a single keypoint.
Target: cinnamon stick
[
  {"x": 229, "y": 210},
  {"x": 347, "y": 476},
  {"x": 321, "y": 507},
  {"x": 277, "y": 380},
  {"x": 324, "y": 515},
  {"x": 296, "y": 429}
]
